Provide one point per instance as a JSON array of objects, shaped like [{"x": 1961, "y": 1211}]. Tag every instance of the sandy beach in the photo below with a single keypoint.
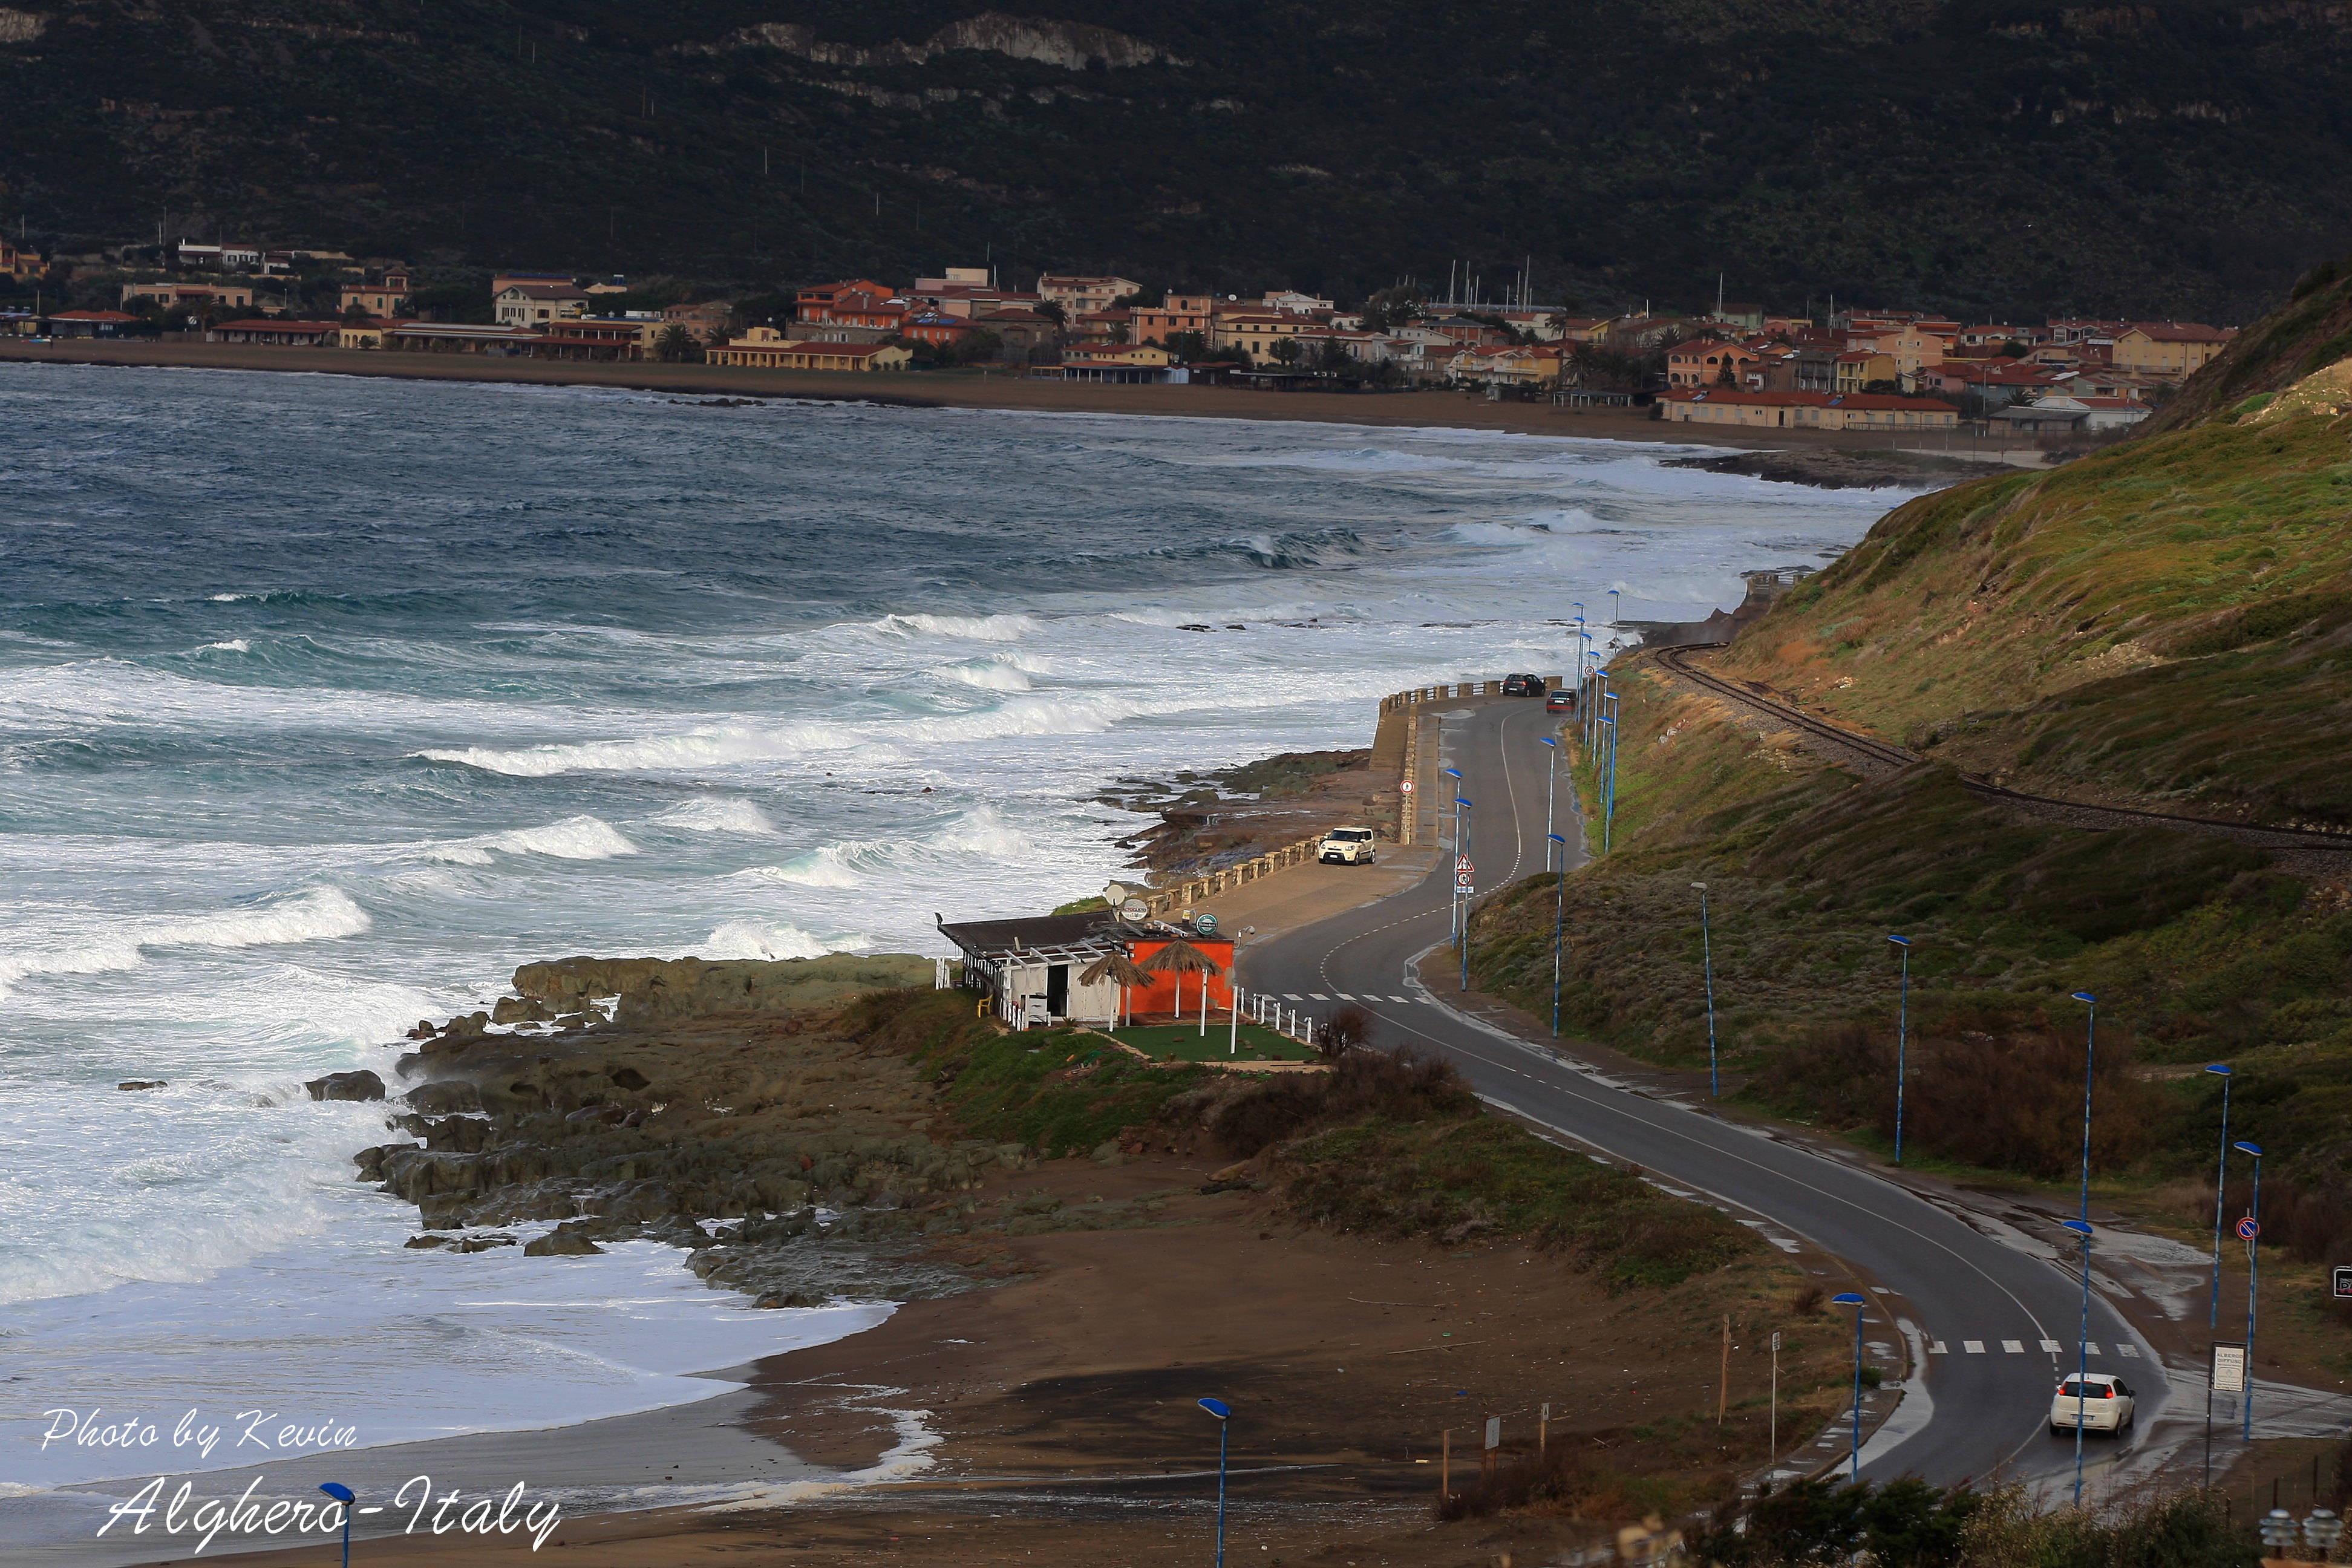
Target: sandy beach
[{"x": 962, "y": 389}]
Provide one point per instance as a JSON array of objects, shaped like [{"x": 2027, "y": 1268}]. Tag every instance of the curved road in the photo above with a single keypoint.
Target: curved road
[{"x": 1971, "y": 1314}]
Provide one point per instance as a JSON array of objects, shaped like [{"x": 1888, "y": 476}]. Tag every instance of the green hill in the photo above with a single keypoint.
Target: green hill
[
  {"x": 1989, "y": 157},
  {"x": 2168, "y": 623}
]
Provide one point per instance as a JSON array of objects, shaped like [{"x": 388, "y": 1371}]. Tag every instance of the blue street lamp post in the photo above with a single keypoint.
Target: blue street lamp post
[
  {"x": 1455, "y": 775},
  {"x": 1902, "y": 1040},
  {"x": 342, "y": 1494},
  {"x": 1612, "y": 608},
  {"x": 1223, "y": 1413},
  {"x": 2251, "y": 1227},
  {"x": 1461, "y": 893},
  {"x": 1608, "y": 814},
  {"x": 1850, "y": 1300},
  {"x": 1559, "y": 927},
  {"x": 2221, "y": 1180},
  {"x": 1707, "y": 958},
  {"x": 2082, "y": 1355},
  {"x": 1551, "y": 793},
  {"x": 2090, "y": 1049}
]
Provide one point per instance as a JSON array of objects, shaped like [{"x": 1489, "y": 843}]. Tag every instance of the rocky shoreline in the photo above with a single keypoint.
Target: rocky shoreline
[{"x": 1842, "y": 468}]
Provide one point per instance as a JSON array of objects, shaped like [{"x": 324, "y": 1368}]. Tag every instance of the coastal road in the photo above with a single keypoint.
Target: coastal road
[{"x": 1987, "y": 1321}]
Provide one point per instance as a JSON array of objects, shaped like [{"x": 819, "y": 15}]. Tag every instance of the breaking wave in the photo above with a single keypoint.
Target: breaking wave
[{"x": 320, "y": 915}]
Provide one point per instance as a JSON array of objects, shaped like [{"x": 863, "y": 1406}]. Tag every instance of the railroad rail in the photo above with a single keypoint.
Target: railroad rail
[{"x": 2332, "y": 851}]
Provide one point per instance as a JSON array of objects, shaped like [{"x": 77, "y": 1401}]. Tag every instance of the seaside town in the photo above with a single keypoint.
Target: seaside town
[{"x": 1845, "y": 368}]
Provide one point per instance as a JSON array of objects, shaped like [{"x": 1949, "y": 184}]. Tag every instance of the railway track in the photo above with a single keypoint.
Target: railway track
[{"x": 2303, "y": 848}]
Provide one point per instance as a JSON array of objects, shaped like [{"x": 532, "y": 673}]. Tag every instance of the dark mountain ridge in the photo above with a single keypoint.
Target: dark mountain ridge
[{"x": 1988, "y": 157}]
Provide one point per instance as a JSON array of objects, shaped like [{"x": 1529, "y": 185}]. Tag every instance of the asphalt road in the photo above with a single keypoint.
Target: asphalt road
[{"x": 1940, "y": 1284}]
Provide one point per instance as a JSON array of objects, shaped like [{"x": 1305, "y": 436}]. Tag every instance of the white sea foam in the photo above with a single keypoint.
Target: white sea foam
[
  {"x": 233, "y": 645},
  {"x": 984, "y": 831},
  {"x": 719, "y": 816},
  {"x": 320, "y": 914},
  {"x": 574, "y": 839}
]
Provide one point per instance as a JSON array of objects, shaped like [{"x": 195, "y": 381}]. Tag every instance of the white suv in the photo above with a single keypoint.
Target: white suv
[
  {"x": 2107, "y": 1405},
  {"x": 1346, "y": 847}
]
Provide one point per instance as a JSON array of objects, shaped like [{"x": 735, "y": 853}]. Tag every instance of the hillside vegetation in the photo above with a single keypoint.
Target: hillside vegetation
[
  {"x": 1991, "y": 157},
  {"x": 2168, "y": 623}
]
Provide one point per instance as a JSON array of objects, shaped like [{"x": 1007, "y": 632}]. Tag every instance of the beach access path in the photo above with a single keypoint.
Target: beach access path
[{"x": 1009, "y": 390}]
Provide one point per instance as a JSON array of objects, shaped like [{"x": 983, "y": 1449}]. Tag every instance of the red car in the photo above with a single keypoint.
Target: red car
[{"x": 1560, "y": 703}]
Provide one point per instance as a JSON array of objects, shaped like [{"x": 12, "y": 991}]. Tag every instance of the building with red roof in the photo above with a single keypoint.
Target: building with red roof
[{"x": 1804, "y": 410}]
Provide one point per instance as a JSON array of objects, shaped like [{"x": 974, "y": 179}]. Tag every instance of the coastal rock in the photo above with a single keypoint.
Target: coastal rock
[
  {"x": 564, "y": 1241},
  {"x": 421, "y": 1242},
  {"x": 444, "y": 1096},
  {"x": 652, "y": 989},
  {"x": 1108, "y": 1152},
  {"x": 518, "y": 1010},
  {"x": 371, "y": 1161},
  {"x": 484, "y": 1243},
  {"x": 144, "y": 1083},
  {"x": 360, "y": 1085}
]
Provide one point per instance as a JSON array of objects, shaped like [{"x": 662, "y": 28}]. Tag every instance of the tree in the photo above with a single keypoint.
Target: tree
[
  {"x": 1285, "y": 349},
  {"x": 1332, "y": 358},
  {"x": 980, "y": 347},
  {"x": 675, "y": 344},
  {"x": 1393, "y": 307},
  {"x": 1342, "y": 1032},
  {"x": 1728, "y": 375},
  {"x": 1187, "y": 347},
  {"x": 356, "y": 314},
  {"x": 2012, "y": 350},
  {"x": 1053, "y": 311}
]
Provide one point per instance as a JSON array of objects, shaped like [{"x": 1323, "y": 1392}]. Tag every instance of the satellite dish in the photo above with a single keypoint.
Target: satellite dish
[
  {"x": 1134, "y": 909},
  {"x": 1205, "y": 924}
]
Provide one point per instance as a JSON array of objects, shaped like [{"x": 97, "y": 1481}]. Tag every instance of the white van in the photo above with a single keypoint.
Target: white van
[{"x": 1346, "y": 847}]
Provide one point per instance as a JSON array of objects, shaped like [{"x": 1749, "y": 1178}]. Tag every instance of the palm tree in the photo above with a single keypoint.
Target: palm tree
[
  {"x": 1116, "y": 966},
  {"x": 1180, "y": 958}
]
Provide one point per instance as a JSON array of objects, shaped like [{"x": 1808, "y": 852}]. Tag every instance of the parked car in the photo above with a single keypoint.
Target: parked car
[
  {"x": 1560, "y": 703},
  {"x": 1523, "y": 686},
  {"x": 1346, "y": 847},
  {"x": 2107, "y": 1405}
]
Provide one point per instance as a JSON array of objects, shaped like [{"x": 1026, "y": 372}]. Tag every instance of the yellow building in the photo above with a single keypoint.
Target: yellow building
[
  {"x": 2174, "y": 349},
  {"x": 764, "y": 348},
  {"x": 1253, "y": 333},
  {"x": 1804, "y": 410}
]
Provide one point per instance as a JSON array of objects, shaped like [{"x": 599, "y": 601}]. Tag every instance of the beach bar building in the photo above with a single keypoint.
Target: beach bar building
[{"x": 1044, "y": 959}]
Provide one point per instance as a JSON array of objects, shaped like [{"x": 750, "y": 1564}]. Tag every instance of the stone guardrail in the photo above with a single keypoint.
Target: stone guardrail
[{"x": 1396, "y": 748}]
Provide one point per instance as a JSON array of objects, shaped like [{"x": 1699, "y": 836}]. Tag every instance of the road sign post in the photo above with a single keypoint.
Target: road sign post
[{"x": 2226, "y": 1375}]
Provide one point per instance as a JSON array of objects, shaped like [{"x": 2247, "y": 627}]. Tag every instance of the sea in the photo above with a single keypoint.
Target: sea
[{"x": 326, "y": 701}]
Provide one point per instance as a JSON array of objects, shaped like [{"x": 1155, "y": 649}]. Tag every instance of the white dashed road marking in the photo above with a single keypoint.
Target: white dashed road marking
[
  {"x": 1974, "y": 1347},
  {"x": 2014, "y": 1347},
  {"x": 1936, "y": 1347},
  {"x": 2049, "y": 1345}
]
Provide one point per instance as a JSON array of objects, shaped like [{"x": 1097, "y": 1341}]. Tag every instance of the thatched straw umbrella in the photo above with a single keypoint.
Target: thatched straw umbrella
[
  {"x": 1116, "y": 966},
  {"x": 1180, "y": 958}
]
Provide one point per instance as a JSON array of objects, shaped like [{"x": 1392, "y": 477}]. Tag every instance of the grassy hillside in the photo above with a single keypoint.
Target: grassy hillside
[
  {"x": 2166, "y": 624},
  {"x": 1991, "y": 157}
]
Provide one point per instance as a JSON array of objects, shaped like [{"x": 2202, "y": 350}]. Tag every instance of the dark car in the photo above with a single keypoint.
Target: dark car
[
  {"x": 1560, "y": 703},
  {"x": 1523, "y": 686}
]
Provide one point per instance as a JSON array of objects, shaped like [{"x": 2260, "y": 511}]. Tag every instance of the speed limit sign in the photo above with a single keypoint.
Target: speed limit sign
[{"x": 1405, "y": 787}]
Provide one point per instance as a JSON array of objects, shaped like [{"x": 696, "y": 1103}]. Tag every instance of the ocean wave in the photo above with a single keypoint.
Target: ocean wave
[
  {"x": 828, "y": 867},
  {"x": 773, "y": 940},
  {"x": 233, "y": 645},
  {"x": 970, "y": 628},
  {"x": 721, "y": 815},
  {"x": 982, "y": 831},
  {"x": 320, "y": 914},
  {"x": 989, "y": 675}
]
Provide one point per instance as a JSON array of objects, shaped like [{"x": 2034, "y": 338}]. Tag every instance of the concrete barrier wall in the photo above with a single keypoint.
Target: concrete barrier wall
[{"x": 1396, "y": 749}]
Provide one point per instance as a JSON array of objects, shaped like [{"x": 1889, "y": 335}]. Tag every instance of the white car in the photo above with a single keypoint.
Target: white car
[
  {"x": 2105, "y": 1403},
  {"x": 1346, "y": 847}
]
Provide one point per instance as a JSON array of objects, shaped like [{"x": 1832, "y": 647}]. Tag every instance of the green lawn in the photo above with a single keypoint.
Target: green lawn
[{"x": 1186, "y": 1042}]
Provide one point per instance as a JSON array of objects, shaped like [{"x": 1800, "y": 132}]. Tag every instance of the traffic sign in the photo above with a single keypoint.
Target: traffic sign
[
  {"x": 2344, "y": 1281},
  {"x": 1464, "y": 882},
  {"x": 2249, "y": 1229},
  {"x": 1462, "y": 867},
  {"x": 1405, "y": 787}
]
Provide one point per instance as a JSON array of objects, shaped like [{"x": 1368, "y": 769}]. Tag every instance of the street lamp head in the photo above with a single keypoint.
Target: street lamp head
[
  {"x": 1900, "y": 941},
  {"x": 1548, "y": 739},
  {"x": 2078, "y": 1227},
  {"x": 1452, "y": 773},
  {"x": 2219, "y": 1068},
  {"x": 1847, "y": 1300},
  {"x": 1700, "y": 886},
  {"x": 2255, "y": 1149},
  {"x": 1460, "y": 801},
  {"x": 1555, "y": 837},
  {"x": 2086, "y": 997},
  {"x": 1218, "y": 1408},
  {"x": 340, "y": 1492}
]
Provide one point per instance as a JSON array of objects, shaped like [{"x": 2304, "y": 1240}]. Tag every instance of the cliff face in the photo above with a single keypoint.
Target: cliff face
[{"x": 1631, "y": 149}]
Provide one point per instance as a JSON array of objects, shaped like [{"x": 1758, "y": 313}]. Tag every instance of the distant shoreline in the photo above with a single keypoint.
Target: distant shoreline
[{"x": 945, "y": 389}]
